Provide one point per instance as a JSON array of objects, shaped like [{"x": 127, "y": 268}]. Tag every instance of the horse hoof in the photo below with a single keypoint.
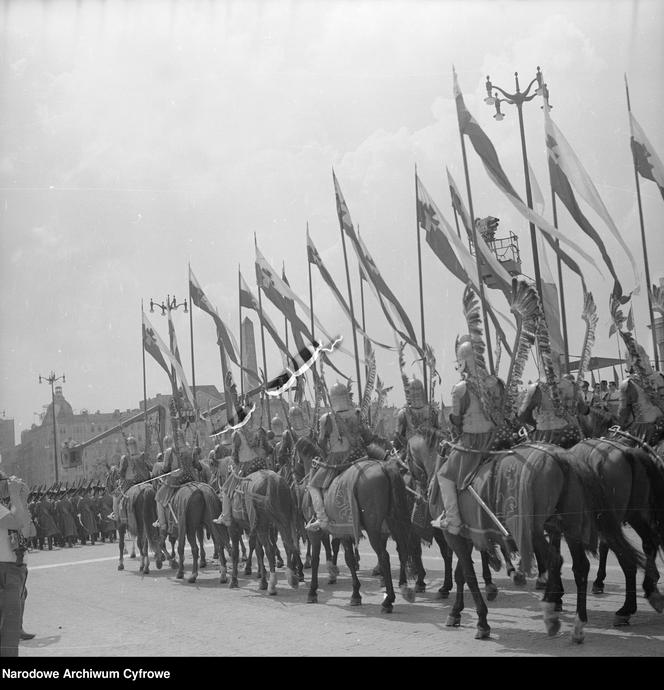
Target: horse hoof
[
  {"x": 307, "y": 564},
  {"x": 331, "y": 580},
  {"x": 192, "y": 579},
  {"x": 376, "y": 571},
  {"x": 551, "y": 620},
  {"x": 133, "y": 555},
  {"x": 598, "y": 589},
  {"x": 453, "y": 621},
  {"x": 578, "y": 636},
  {"x": 386, "y": 608},
  {"x": 173, "y": 564},
  {"x": 620, "y": 621},
  {"x": 518, "y": 578},
  {"x": 180, "y": 576},
  {"x": 540, "y": 583},
  {"x": 443, "y": 593},
  {"x": 146, "y": 571},
  {"x": 558, "y": 607},
  {"x": 234, "y": 584},
  {"x": 140, "y": 570},
  {"x": 332, "y": 569},
  {"x": 656, "y": 600},
  {"x": 262, "y": 585},
  {"x": 408, "y": 593},
  {"x": 483, "y": 633},
  {"x": 247, "y": 571},
  {"x": 491, "y": 591},
  {"x": 312, "y": 598},
  {"x": 272, "y": 592},
  {"x": 159, "y": 565},
  {"x": 202, "y": 564},
  {"x": 280, "y": 563},
  {"x": 356, "y": 601},
  {"x": 120, "y": 566},
  {"x": 223, "y": 580},
  {"x": 420, "y": 587}
]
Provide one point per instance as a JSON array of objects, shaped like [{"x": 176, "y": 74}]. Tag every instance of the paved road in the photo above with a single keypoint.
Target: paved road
[{"x": 80, "y": 605}]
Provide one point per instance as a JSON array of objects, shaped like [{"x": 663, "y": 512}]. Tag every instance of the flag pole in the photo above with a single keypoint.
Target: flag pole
[
  {"x": 419, "y": 270},
  {"x": 473, "y": 231},
  {"x": 317, "y": 386},
  {"x": 364, "y": 328},
  {"x": 239, "y": 290},
  {"x": 643, "y": 238},
  {"x": 193, "y": 367},
  {"x": 260, "y": 314},
  {"x": 352, "y": 312},
  {"x": 283, "y": 274},
  {"x": 145, "y": 389}
]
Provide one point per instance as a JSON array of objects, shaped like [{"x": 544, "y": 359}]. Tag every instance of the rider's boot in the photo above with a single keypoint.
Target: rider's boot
[
  {"x": 450, "y": 519},
  {"x": 161, "y": 519},
  {"x": 225, "y": 517},
  {"x": 321, "y": 521},
  {"x": 115, "y": 515}
]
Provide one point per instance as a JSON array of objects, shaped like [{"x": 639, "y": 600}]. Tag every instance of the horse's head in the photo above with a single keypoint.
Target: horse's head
[
  {"x": 304, "y": 451},
  {"x": 423, "y": 450}
]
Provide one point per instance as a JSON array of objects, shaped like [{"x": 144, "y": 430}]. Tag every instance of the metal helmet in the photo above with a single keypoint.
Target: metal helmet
[
  {"x": 297, "y": 420},
  {"x": 277, "y": 425},
  {"x": 340, "y": 398},
  {"x": 132, "y": 445},
  {"x": 466, "y": 356},
  {"x": 416, "y": 391}
]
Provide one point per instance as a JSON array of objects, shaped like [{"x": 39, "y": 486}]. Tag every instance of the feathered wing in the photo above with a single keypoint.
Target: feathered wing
[
  {"x": 472, "y": 312},
  {"x": 404, "y": 376},
  {"x": 368, "y": 386},
  {"x": 550, "y": 368},
  {"x": 657, "y": 298},
  {"x": 525, "y": 305},
  {"x": 589, "y": 315},
  {"x": 641, "y": 367}
]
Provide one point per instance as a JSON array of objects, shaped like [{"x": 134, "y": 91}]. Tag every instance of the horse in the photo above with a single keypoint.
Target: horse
[
  {"x": 261, "y": 503},
  {"x": 421, "y": 452},
  {"x": 137, "y": 518},
  {"x": 632, "y": 482},
  {"x": 538, "y": 489},
  {"x": 366, "y": 497},
  {"x": 194, "y": 505}
]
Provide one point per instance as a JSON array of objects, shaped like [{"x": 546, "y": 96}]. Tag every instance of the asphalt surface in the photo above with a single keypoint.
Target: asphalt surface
[{"x": 80, "y": 605}]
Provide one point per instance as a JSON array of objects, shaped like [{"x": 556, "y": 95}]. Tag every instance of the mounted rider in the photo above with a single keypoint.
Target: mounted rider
[
  {"x": 179, "y": 456},
  {"x": 133, "y": 469},
  {"x": 250, "y": 452},
  {"x": 416, "y": 416},
  {"x": 475, "y": 421},
  {"x": 554, "y": 414},
  {"x": 298, "y": 428},
  {"x": 343, "y": 438},
  {"x": 641, "y": 409}
]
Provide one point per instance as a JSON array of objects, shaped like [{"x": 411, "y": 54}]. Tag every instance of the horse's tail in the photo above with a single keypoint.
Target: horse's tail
[
  {"x": 654, "y": 470},
  {"x": 279, "y": 505},
  {"x": 148, "y": 516},
  {"x": 212, "y": 510},
  {"x": 398, "y": 516},
  {"x": 605, "y": 520},
  {"x": 525, "y": 513}
]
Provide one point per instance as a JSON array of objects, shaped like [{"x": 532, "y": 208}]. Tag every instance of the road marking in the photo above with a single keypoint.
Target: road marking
[{"x": 62, "y": 565}]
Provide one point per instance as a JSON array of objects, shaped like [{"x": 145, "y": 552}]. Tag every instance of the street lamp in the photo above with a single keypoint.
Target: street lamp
[
  {"x": 52, "y": 379},
  {"x": 518, "y": 98}
]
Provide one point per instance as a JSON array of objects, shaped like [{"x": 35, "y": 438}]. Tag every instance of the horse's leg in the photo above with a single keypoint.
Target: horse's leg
[
  {"x": 273, "y": 535},
  {"x": 331, "y": 555},
  {"x": 553, "y": 563},
  {"x": 651, "y": 575},
  {"x": 314, "y": 543},
  {"x": 307, "y": 558},
  {"x": 236, "y": 538},
  {"x": 454, "y": 617},
  {"x": 244, "y": 551},
  {"x": 379, "y": 544},
  {"x": 463, "y": 550},
  {"x": 490, "y": 588},
  {"x": 624, "y": 613},
  {"x": 201, "y": 541},
  {"x": 598, "y": 584},
  {"x": 181, "y": 543},
  {"x": 349, "y": 556},
  {"x": 192, "y": 535},
  {"x": 260, "y": 559},
  {"x": 447, "y": 553},
  {"x": 418, "y": 566},
  {"x": 252, "y": 548},
  {"x": 121, "y": 540},
  {"x": 580, "y": 568}
]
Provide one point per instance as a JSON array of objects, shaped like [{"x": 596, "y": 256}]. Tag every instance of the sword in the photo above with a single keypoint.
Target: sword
[{"x": 509, "y": 539}]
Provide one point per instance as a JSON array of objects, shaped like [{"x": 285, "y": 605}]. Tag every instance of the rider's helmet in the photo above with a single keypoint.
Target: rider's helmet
[
  {"x": 416, "y": 391},
  {"x": 340, "y": 398}
]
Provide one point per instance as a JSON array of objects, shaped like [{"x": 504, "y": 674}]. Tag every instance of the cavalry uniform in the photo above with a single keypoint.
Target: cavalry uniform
[
  {"x": 475, "y": 434},
  {"x": 299, "y": 428},
  {"x": 413, "y": 418},
  {"x": 133, "y": 469},
  {"x": 250, "y": 453},
  {"x": 181, "y": 457},
  {"x": 646, "y": 408},
  {"x": 556, "y": 425},
  {"x": 344, "y": 439}
]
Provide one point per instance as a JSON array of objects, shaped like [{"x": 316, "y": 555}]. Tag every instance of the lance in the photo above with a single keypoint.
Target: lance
[{"x": 159, "y": 476}]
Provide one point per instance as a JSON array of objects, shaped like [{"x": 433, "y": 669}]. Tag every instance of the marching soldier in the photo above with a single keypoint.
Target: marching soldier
[
  {"x": 343, "y": 438},
  {"x": 472, "y": 420}
]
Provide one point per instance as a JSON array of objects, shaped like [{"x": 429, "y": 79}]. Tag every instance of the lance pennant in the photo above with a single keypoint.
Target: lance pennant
[
  {"x": 246, "y": 416},
  {"x": 287, "y": 379}
]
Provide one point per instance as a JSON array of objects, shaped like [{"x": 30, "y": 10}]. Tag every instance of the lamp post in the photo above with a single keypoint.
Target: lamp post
[
  {"x": 170, "y": 305},
  {"x": 52, "y": 379},
  {"x": 518, "y": 98}
]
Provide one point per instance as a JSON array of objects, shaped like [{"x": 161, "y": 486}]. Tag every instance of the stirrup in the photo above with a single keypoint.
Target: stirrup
[
  {"x": 111, "y": 516},
  {"x": 315, "y": 525},
  {"x": 155, "y": 523},
  {"x": 444, "y": 523},
  {"x": 222, "y": 520}
]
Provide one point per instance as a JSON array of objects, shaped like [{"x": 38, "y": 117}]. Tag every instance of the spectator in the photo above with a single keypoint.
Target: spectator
[{"x": 613, "y": 399}]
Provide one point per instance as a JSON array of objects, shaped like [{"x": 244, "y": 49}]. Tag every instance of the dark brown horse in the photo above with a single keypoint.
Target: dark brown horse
[
  {"x": 262, "y": 507},
  {"x": 194, "y": 506},
  {"x": 632, "y": 483},
  {"x": 537, "y": 490},
  {"x": 369, "y": 496}
]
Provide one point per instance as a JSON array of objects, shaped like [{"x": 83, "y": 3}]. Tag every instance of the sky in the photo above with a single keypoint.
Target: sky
[{"x": 137, "y": 137}]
